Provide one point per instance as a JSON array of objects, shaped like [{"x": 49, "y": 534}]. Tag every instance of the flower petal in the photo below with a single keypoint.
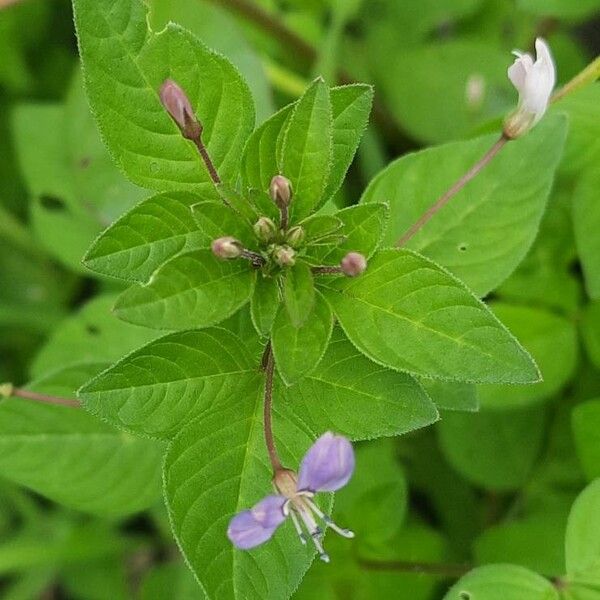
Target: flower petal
[
  {"x": 255, "y": 526},
  {"x": 328, "y": 464}
]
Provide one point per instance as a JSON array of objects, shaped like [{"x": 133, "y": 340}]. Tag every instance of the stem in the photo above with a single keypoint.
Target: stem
[
  {"x": 442, "y": 569},
  {"x": 206, "y": 158},
  {"x": 285, "y": 217},
  {"x": 326, "y": 270},
  {"x": 588, "y": 75},
  {"x": 269, "y": 367},
  {"x": 459, "y": 185},
  {"x": 7, "y": 390},
  {"x": 255, "y": 258}
]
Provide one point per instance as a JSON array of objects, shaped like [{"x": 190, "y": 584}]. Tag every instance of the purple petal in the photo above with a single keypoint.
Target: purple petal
[
  {"x": 328, "y": 464},
  {"x": 255, "y": 526}
]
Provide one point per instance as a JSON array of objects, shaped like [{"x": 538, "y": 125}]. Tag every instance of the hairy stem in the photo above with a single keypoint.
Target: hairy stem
[
  {"x": 452, "y": 191},
  {"x": 206, "y": 159},
  {"x": 269, "y": 367},
  {"x": 326, "y": 270},
  {"x": 7, "y": 390}
]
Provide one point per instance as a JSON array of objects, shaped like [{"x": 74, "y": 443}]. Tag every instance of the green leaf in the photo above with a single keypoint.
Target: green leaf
[
  {"x": 216, "y": 220},
  {"x": 535, "y": 541},
  {"x": 586, "y": 222},
  {"x": 425, "y": 87},
  {"x": 170, "y": 580},
  {"x": 582, "y": 540},
  {"x": 221, "y": 31},
  {"x": 541, "y": 333},
  {"x": 351, "y": 395},
  {"x": 408, "y": 313},
  {"x": 98, "y": 184},
  {"x": 159, "y": 388},
  {"x": 259, "y": 161},
  {"x": 496, "y": 450},
  {"x": 92, "y": 334},
  {"x": 321, "y": 226},
  {"x": 350, "y": 106},
  {"x": 363, "y": 228},
  {"x": 590, "y": 331},
  {"x": 71, "y": 457},
  {"x": 218, "y": 466},
  {"x": 502, "y": 582},
  {"x": 298, "y": 349},
  {"x": 559, "y": 8},
  {"x": 585, "y": 419},
  {"x": 123, "y": 61},
  {"x": 195, "y": 289},
  {"x": 582, "y": 149},
  {"x": 452, "y": 396},
  {"x": 299, "y": 293},
  {"x": 307, "y": 149},
  {"x": 147, "y": 236},
  {"x": 264, "y": 304},
  {"x": 506, "y": 201}
]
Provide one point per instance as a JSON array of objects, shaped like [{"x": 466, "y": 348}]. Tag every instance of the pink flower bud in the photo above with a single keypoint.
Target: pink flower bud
[
  {"x": 177, "y": 104},
  {"x": 227, "y": 247},
  {"x": 281, "y": 191},
  {"x": 353, "y": 264}
]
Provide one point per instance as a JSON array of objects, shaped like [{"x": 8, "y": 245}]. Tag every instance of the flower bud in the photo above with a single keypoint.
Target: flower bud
[
  {"x": 534, "y": 81},
  {"x": 284, "y": 256},
  {"x": 280, "y": 191},
  {"x": 177, "y": 104},
  {"x": 265, "y": 229},
  {"x": 353, "y": 264},
  {"x": 295, "y": 236},
  {"x": 227, "y": 247}
]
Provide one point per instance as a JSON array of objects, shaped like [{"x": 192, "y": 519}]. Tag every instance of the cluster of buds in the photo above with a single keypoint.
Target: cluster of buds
[{"x": 282, "y": 244}]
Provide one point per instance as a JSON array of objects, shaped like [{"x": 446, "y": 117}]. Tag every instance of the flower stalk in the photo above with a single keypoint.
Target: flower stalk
[
  {"x": 7, "y": 390},
  {"x": 269, "y": 368}
]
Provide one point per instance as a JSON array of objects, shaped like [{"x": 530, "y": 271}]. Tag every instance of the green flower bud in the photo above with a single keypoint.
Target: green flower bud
[
  {"x": 295, "y": 236},
  {"x": 284, "y": 256},
  {"x": 265, "y": 229}
]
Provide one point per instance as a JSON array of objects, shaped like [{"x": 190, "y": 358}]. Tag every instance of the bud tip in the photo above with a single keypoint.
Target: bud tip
[
  {"x": 353, "y": 264},
  {"x": 226, "y": 247}
]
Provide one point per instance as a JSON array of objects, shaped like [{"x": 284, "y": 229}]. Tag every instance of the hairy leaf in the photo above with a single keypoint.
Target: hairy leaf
[
  {"x": 124, "y": 67},
  {"x": 349, "y": 394},
  {"x": 195, "y": 289},
  {"x": 484, "y": 232},
  {"x": 159, "y": 388},
  {"x": 298, "y": 349},
  {"x": 147, "y": 236},
  {"x": 73, "y": 458},
  {"x": 408, "y": 313}
]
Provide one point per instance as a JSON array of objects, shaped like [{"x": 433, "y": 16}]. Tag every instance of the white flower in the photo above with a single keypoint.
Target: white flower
[{"x": 534, "y": 81}]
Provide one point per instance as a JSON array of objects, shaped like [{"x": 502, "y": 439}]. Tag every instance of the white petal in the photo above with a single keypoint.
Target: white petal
[{"x": 518, "y": 71}]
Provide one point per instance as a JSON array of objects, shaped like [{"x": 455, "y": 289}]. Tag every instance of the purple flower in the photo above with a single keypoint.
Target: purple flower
[{"x": 326, "y": 467}]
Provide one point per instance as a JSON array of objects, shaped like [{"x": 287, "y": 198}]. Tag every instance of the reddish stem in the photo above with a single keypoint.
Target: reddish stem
[
  {"x": 459, "y": 185},
  {"x": 28, "y": 395},
  {"x": 269, "y": 367}
]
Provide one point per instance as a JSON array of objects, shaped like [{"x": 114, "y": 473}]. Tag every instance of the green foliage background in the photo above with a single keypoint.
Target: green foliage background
[{"x": 506, "y": 482}]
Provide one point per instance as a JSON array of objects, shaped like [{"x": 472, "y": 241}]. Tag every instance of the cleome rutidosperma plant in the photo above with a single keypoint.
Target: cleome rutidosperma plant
[{"x": 290, "y": 328}]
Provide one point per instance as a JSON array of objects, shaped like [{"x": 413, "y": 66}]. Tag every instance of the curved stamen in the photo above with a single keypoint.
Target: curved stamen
[
  {"x": 315, "y": 533},
  {"x": 347, "y": 533},
  {"x": 298, "y": 527}
]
